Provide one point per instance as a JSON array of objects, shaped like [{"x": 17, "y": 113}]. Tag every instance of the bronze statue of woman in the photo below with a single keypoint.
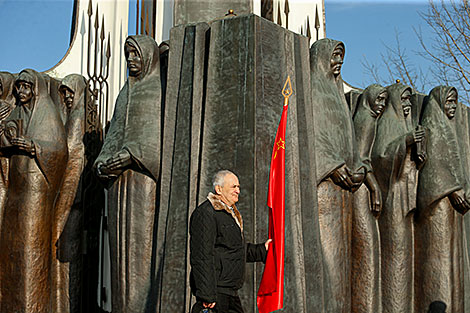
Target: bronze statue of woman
[
  {"x": 396, "y": 170},
  {"x": 365, "y": 274},
  {"x": 7, "y": 103},
  {"x": 130, "y": 161},
  {"x": 443, "y": 196},
  {"x": 338, "y": 170},
  {"x": 64, "y": 242},
  {"x": 37, "y": 159}
]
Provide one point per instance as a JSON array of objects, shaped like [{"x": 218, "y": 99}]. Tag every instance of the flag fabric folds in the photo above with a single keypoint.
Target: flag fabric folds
[{"x": 271, "y": 290}]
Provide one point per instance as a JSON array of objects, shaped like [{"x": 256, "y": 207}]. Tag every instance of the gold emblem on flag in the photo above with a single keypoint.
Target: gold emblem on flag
[
  {"x": 287, "y": 91},
  {"x": 281, "y": 144}
]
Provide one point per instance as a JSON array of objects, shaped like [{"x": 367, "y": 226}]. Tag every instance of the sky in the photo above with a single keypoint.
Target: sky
[{"x": 36, "y": 33}]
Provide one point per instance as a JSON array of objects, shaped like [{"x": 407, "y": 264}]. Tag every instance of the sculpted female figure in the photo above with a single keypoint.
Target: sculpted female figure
[
  {"x": 37, "y": 159},
  {"x": 7, "y": 103},
  {"x": 396, "y": 170},
  {"x": 366, "y": 208},
  {"x": 338, "y": 170},
  {"x": 442, "y": 199},
  {"x": 73, "y": 96},
  {"x": 130, "y": 161}
]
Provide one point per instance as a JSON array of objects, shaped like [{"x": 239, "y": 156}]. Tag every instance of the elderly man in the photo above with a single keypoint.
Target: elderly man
[{"x": 218, "y": 248}]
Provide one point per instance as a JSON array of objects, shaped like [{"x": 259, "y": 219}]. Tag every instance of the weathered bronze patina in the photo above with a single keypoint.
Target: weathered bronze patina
[
  {"x": 65, "y": 246},
  {"x": 367, "y": 205},
  {"x": 130, "y": 162},
  {"x": 37, "y": 161},
  {"x": 396, "y": 173},
  {"x": 338, "y": 169},
  {"x": 442, "y": 199}
]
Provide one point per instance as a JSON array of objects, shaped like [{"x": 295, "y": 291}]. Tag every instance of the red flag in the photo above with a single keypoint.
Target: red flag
[{"x": 271, "y": 290}]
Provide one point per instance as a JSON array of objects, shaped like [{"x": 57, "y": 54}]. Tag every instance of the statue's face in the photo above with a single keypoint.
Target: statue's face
[
  {"x": 406, "y": 103},
  {"x": 67, "y": 95},
  {"x": 24, "y": 91},
  {"x": 378, "y": 105},
  {"x": 337, "y": 60},
  {"x": 451, "y": 104},
  {"x": 134, "y": 59}
]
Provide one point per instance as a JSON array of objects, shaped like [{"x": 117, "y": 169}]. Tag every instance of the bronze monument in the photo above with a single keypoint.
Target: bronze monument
[
  {"x": 37, "y": 157},
  {"x": 338, "y": 169},
  {"x": 396, "y": 169},
  {"x": 442, "y": 200},
  {"x": 130, "y": 163},
  {"x": 367, "y": 205},
  {"x": 66, "y": 250}
]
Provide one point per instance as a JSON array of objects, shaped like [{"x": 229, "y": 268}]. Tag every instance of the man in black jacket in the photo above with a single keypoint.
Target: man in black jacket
[{"x": 218, "y": 251}]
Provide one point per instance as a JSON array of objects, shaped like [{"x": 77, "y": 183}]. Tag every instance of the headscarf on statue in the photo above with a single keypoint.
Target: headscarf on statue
[
  {"x": 43, "y": 125},
  {"x": 443, "y": 172},
  {"x": 135, "y": 125},
  {"x": 7, "y": 81},
  {"x": 334, "y": 131},
  {"x": 389, "y": 151},
  {"x": 365, "y": 123}
]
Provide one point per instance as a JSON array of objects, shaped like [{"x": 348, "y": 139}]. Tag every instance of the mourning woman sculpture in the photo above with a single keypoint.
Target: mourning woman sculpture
[
  {"x": 396, "y": 170},
  {"x": 130, "y": 161},
  {"x": 7, "y": 103},
  {"x": 442, "y": 199},
  {"x": 66, "y": 250},
  {"x": 365, "y": 274},
  {"x": 37, "y": 158},
  {"x": 338, "y": 170}
]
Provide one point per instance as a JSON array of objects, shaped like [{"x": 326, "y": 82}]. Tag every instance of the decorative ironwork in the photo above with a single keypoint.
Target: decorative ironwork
[
  {"x": 98, "y": 73},
  {"x": 286, "y": 12},
  {"x": 96, "y": 116},
  {"x": 309, "y": 34},
  {"x": 317, "y": 23},
  {"x": 279, "y": 20}
]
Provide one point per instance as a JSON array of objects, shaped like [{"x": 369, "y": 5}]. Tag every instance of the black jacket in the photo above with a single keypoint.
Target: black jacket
[{"x": 218, "y": 251}]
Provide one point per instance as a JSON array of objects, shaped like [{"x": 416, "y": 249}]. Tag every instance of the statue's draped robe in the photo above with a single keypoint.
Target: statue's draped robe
[
  {"x": 365, "y": 273},
  {"x": 64, "y": 247},
  {"x": 135, "y": 127},
  {"x": 7, "y": 81},
  {"x": 396, "y": 174},
  {"x": 334, "y": 144},
  {"x": 438, "y": 227},
  {"x": 26, "y": 232}
]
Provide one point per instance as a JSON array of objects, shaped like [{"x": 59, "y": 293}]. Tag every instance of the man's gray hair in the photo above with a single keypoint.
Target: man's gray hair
[{"x": 219, "y": 178}]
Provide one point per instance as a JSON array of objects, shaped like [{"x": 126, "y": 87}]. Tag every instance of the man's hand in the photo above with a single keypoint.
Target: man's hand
[
  {"x": 266, "y": 244},
  {"x": 24, "y": 144},
  {"x": 208, "y": 305}
]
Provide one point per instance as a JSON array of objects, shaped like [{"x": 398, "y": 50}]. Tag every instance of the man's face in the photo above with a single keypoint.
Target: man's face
[
  {"x": 24, "y": 91},
  {"x": 134, "y": 61},
  {"x": 406, "y": 103},
  {"x": 451, "y": 104},
  {"x": 337, "y": 60},
  {"x": 230, "y": 190},
  {"x": 67, "y": 96},
  {"x": 379, "y": 104}
]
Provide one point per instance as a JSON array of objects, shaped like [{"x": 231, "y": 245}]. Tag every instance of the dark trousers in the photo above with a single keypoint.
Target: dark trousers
[{"x": 224, "y": 304}]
